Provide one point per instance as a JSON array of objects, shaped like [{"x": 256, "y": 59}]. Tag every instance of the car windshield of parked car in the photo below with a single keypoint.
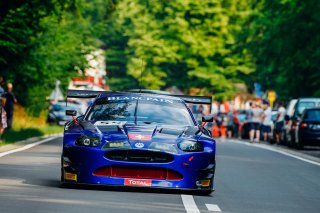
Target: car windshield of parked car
[
  {"x": 141, "y": 112},
  {"x": 305, "y": 105},
  {"x": 312, "y": 115},
  {"x": 63, "y": 107}
]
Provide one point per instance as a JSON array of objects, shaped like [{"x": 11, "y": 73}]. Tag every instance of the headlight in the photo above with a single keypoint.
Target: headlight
[
  {"x": 190, "y": 146},
  {"x": 88, "y": 141},
  {"x": 117, "y": 144}
]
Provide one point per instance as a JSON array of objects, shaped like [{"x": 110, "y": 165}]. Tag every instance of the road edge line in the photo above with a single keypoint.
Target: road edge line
[
  {"x": 2, "y": 154},
  {"x": 262, "y": 146}
]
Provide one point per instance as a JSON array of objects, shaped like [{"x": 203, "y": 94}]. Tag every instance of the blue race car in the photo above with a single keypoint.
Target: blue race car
[{"x": 140, "y": 140}]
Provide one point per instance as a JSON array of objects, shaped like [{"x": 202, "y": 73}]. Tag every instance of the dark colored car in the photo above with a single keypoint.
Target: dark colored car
[
  {"x": 138, "y": 140},
  {"x": 293, "y": 122},
  {"x": 57, "y": 112},
  {"x": 308, "y": 130}
]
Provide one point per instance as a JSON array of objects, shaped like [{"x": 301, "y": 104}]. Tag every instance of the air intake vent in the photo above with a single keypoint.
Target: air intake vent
[
  {"x": 139, "y": 156},
  {"x": 138, "y": 172}
]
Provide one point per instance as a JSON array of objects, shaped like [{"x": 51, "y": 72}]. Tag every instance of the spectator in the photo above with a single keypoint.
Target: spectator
[
  {"x": 255, "y": 123},
  {"x": 3, "y": 117},
  {"x": 267, "y": 122},
  {"x": 9, "y": 105},
  {"x": 229, "y": 123},
  {"x": 280, "y": 121},
  {"x": 3, "y": 121},
  {"x": 200, "y": 113},
  {"x": 249, "y": 116},
  {"x": 236, "y": 124},
  {"x": 1, "y": 89}
]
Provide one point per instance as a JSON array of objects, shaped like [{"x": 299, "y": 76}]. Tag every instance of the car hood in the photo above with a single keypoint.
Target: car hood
[{"x": 141, "y": 136}]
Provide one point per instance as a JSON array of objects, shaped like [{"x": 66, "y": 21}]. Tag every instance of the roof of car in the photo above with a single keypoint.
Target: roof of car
[{"x": 309, "y": 99}]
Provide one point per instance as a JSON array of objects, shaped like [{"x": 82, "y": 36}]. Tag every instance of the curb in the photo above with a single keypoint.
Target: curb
[
  {"x": 22, "y": 143},
  {"x": 279, "y": 148}
]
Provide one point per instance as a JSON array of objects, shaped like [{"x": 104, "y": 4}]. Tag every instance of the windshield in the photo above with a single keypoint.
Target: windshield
[
  {"x": 305, "y": 105},
  {"x": 63, "y": 107},
  {"x": 141, "y": 111}
]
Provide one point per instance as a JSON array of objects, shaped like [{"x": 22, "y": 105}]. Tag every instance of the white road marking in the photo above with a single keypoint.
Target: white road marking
[
  {"x": 214, "y": 208},
  {"x": 27, "y": 146},
  {"x": 189, "y": 204},
  {"x": 262, "y": 146}
]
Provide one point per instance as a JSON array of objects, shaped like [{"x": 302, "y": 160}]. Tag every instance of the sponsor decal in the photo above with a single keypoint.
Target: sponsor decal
[
  {"x": 137, "y": 182},
  {"x": 139, "y": 137},
  {"x": 139, "y": 145},
  {"x": 140, "y": 98}
]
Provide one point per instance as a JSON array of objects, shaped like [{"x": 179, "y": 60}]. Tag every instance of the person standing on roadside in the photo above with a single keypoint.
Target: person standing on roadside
[
  {"x": 255, "y": 123},
  {"x": 229, "y": 123},
  {"x": 3, "y": 115},
  {"x": 280, "y": 120},
  {"x": 267, "y": 121},
  {"x": 9, "y": 105},
  {"x": 200, "y": 113},
  {"x": 249, "y": 116},
  {"x": 236, "y": 124}
]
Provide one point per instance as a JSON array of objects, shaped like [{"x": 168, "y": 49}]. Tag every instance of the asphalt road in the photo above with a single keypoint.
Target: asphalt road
[{"x": 248, "y": 179}]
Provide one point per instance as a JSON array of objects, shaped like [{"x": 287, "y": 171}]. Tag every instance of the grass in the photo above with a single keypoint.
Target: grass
[{"x": 25, "y": 126}]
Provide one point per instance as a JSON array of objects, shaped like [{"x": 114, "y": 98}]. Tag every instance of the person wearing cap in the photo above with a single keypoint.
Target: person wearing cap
[{"x": 9, "y": 105}]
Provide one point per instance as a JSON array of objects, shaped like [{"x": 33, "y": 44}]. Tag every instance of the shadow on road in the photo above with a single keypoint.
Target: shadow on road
[{"x": 56, "y": 184}]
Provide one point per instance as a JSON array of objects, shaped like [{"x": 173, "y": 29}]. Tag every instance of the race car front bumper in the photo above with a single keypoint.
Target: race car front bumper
[{"x": 82, "y": 165}]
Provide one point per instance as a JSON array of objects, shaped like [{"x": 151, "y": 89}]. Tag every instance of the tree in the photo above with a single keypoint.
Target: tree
[
  {"x": 284, "y": 37},
  {"x": 179, "y": 43},
  {"x": 41, "y": 41}
]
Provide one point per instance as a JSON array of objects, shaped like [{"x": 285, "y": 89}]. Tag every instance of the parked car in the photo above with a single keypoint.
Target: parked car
[
  {"x": 294, "y": 120},
  {"x": 57, "y": 112},
  {"x": 308, "y": 130}
]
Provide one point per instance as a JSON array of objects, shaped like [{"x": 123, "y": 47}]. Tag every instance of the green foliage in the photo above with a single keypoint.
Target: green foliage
[
  {"x": 45, "y": 40},
  {"x": 209, "y": 44},
  {"x": 179, "y": 43},
  {"x": 284, "y": 36}
]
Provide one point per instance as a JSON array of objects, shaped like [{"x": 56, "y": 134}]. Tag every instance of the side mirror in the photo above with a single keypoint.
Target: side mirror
[
  {"x": 207, "y": 118},
  {"x": 286, "y": 117},
  {"x": 71, "y": 112}
]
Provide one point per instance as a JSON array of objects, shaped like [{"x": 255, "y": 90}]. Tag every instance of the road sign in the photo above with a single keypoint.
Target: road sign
[{"x": 272, "y": 96}]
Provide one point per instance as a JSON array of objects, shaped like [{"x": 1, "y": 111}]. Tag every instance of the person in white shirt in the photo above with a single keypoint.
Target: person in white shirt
[
  {"x": 280, "y": 121},
  {"x": 256, "y": 112},
  {"x": 267, "y": 122}
]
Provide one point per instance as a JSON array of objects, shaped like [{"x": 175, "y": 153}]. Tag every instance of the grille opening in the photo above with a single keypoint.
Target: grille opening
[
  {"x": 139, "y": 156},
  {"x": 138, "y": 172}
]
